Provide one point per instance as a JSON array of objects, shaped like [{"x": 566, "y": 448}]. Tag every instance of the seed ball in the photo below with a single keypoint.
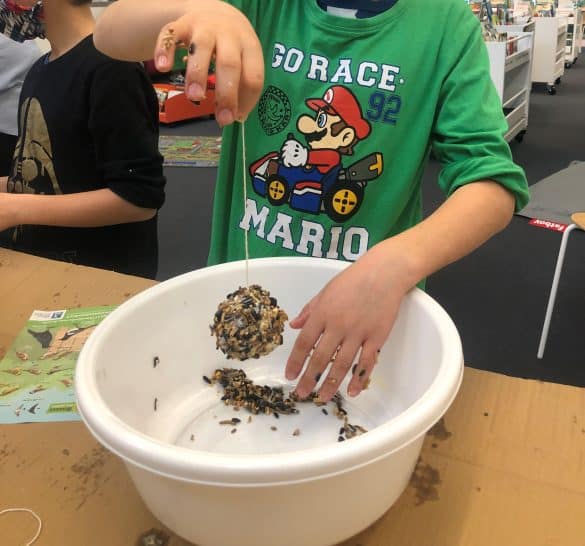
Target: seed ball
[{"x": 248, "y": 323}]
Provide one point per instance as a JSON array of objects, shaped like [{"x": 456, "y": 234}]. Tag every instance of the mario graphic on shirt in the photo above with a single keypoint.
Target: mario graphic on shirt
[{"x": 312, "y": 178}]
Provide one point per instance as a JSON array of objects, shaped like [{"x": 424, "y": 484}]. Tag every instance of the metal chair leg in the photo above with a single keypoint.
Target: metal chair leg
[{"x": 553, "y": 290}]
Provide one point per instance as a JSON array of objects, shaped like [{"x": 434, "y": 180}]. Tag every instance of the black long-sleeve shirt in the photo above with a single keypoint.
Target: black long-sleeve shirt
[{"x": 88, "y": 122}]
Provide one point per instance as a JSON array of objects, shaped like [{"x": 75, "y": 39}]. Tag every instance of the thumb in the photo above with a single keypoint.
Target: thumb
[{"x": 300, "y": 320}]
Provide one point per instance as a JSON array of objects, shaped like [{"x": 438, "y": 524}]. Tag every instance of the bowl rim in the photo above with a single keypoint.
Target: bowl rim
[{"x": 233, "y": 470}]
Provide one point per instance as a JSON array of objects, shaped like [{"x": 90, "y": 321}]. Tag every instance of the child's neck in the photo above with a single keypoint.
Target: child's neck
[{"x": 66, "y": 26}]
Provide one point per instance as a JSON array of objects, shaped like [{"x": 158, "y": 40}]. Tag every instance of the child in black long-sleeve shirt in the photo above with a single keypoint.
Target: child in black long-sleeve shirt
[{"x": 86, "y": 179}]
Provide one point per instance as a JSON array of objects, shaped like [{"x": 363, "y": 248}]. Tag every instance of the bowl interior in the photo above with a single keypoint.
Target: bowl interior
[{"x": 148, "y": 358}]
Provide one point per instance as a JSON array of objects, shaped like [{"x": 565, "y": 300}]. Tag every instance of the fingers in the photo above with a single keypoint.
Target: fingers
[
  {"x": 323, "y": 348},
  {"x": 302, "y": 348},
  {"x": 228, "y": 67},
  {"x": 341, "y": 365},
  {"x": 252, "y": 79},
  {"x": 363, "y": 369},
  {"x": 239, "y": 64},
  {"x": 341, "y": 356},
  {"x": 200, "y": 50},
  {"x": 318, "y": 362},
  {"x": 166, "y": 44},
  {"x": 300, "y": 320}
]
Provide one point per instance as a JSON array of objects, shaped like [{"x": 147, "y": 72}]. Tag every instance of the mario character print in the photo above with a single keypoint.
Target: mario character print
[{"x": 311, "y": 177}]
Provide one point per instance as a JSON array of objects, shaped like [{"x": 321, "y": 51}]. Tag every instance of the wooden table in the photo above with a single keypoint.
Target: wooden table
[{"x": 505, "y": 467}]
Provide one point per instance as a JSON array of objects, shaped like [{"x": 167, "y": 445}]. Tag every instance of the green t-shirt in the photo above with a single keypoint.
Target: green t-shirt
[{"x": 337, "y": 145}]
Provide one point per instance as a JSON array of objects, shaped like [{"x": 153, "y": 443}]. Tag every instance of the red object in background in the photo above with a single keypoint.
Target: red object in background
[
  {"x": 174, "y": 105},
  {"x": 546, "y": 224}
]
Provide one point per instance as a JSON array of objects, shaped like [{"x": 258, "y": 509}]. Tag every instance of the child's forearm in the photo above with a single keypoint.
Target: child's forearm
[
  {"x": 128, "y": 29},
  {"x": 87, "y": 209},
  {"x": 473, "y": 214}
]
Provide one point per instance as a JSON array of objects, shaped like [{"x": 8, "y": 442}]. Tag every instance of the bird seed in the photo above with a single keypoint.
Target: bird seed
[
  {"x": 248, "y": 324},
  {"x": 242, "y": 393}
]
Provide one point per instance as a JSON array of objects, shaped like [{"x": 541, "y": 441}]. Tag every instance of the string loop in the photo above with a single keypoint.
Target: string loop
[
  {"x": 243, "y": 125},
  {"x": 33, "y": 514}
]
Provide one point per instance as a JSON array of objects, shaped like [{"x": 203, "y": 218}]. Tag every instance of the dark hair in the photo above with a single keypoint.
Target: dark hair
[{"x": 79, "y": 2}]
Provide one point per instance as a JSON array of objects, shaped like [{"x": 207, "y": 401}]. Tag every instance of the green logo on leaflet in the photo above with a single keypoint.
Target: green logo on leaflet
[
  {"x": 274, "y": 110},
  {"x": 70, "y": 407}
]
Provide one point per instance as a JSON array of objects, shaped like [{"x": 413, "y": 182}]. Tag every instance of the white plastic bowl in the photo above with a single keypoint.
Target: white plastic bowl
[{"x": 259, "y": 487}]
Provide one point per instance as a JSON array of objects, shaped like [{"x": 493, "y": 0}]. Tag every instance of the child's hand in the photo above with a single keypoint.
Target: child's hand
[
  {"x": 350, "y": 319},
  {"x": 216, "y": 30}
]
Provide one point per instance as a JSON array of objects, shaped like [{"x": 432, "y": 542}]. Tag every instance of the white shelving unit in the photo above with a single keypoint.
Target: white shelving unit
[
  {"x": 550, "y": 40},
  {"x": 517, "y": 27},
  {"x": 574, "y": 34},
  {"x": 511, "y": 74}
]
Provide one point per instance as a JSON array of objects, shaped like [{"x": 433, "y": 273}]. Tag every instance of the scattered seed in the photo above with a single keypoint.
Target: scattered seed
[
  {"x": 155, "y": 404},
  {"x": 234, "y": 430},
  {"x": 207, "y": 380},
  {"x": 362, "y": 373},
  {"x": 241, "y": 392},
  {"x": 354, "y": 369},
  {"x": 192, "y": 437},
  {"x": 317, "y": 377},
  {"x": 155, "y": 361},
  {"x": 232, "y": 421}
]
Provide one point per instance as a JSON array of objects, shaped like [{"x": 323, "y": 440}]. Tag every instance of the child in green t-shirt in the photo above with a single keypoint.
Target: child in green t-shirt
[{"x": 341, "y": 114}]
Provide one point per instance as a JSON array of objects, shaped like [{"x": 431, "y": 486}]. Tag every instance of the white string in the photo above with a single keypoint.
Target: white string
[
  {"x": 33, "y": 514},
  {"x": 245, "y": 198}
]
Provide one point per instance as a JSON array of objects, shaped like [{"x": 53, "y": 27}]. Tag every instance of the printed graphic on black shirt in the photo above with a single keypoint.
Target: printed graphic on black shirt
[
  {"x": 33, "y": 170},
  {"x": 312, "y": 178}
]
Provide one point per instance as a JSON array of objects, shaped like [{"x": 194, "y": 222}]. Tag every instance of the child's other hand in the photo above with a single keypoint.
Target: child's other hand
[
  {"x": 216, "y": 30},
  {"x": 350, "y": 319}
]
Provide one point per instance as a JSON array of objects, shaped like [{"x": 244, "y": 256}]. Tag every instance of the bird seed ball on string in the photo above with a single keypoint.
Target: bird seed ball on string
[{"x": 248, "y": 324}]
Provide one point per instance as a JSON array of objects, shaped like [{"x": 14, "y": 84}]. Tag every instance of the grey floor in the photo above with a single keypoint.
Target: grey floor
[
  {"x": 185, "y": 220},
  {"x": 496, "y": 296}
]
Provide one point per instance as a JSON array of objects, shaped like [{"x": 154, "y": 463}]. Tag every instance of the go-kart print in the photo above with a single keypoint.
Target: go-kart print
[{"x": 312, "y": 178}]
